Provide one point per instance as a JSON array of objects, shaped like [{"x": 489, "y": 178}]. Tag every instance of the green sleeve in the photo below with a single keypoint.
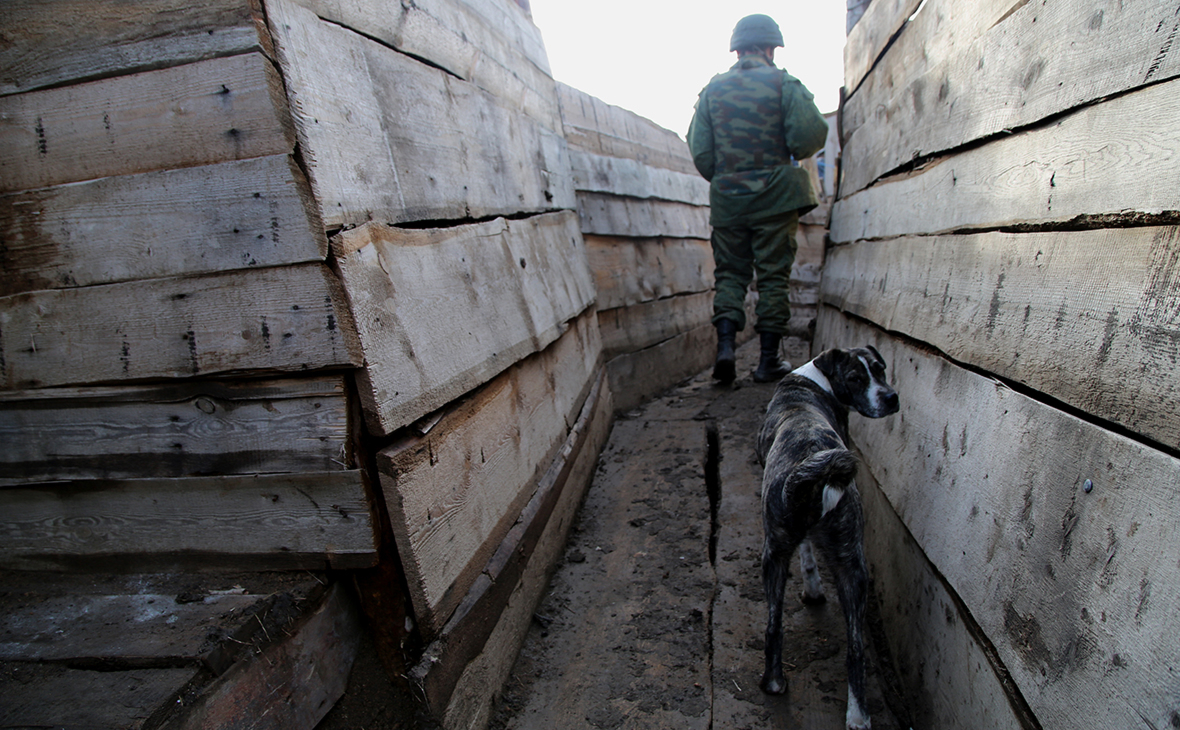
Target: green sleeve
[
  {"x": 700, "y": 138},
  {"x": 804, "y": 127}
]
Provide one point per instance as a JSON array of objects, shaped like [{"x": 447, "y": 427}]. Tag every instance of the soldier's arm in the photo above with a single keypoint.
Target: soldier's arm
[
  {"x": 804, "y": 127},
  {"x": 700, "y": 138}
]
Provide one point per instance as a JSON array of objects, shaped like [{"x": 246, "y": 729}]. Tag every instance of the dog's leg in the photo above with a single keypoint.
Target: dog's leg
[
  {"x": 843, "y": 544},
  {"x": 813, "y": 587},
  {"x": 775, "y": 572}
]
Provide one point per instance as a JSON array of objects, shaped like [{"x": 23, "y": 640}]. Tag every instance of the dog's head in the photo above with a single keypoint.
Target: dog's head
[{"x": 857, "y": 377}]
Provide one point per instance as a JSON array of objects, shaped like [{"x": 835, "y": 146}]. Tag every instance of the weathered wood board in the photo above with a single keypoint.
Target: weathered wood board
[
  {"x": 287, "y": 318},
  {"x": 198, "y": 114},
  {"x": 54, "y": 696},
  {"x": 188, "y": 429},
  {"x": 234, "y": 215},
  {"x": 627, "y": 329},
  {"x": 870, "y": 36},
  {"x": 1075, "y": 589},
  {"x": 631, "y": 178},
  {"x": 454, "y": 493},
  {"x": 596, "y": 127},
  {"x": 390, "y": 139},
  {"x": 1088, "y": 318},
  {"x": 283, "y": 521},
  {"x": 628, "y": 271},
  {"x": 1040, "y": 61},
  {"x": 611, "y": 215},
  {"x": 1115, "y": 159},
  {"x": 51, "y": 42},
  {"x": 487, "y": 42},
  {"x": 442, "y": 311}
]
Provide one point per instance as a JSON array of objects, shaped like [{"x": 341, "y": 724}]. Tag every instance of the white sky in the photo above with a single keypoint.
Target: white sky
[{"x": 653, "y": 56}]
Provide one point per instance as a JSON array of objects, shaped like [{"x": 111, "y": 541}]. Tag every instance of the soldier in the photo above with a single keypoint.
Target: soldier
[{"x": 750, "y": 126}]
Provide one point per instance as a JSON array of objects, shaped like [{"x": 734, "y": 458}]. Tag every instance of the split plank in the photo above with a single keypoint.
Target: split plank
[
  {"x": 441, "y": 312},
  {"x": 1075, "y": 590},
  {"x": 1021, "y": 305},
  {"x": 284, "y": 521},
  {"x": 52, "y": 42},
  {"x": 289, "y": 318},
  {"x": 1040, "y": 61},
  {"x": 390, "y": 139},
  {"x": 631, "y": 178},
  {"x": 1116, "y": 158},
  {"x": 870, "y": 36},
  {"x": 487, "y": 42},
  {"x": 611, "y": 215},
  {"x": 198, "y": 114},
  {"x": 454, "y": 493},
  {"x": 627, "y": 329},
  {"x": 629, "y": 271},
  {"x": 187, "y": 429},
  {"x": 593, "y": 126},
  {"x": 251, "y": 213}
]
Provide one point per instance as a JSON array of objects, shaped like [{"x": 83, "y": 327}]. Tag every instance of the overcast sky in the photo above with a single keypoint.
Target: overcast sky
[{"x": 654, "y": 56}]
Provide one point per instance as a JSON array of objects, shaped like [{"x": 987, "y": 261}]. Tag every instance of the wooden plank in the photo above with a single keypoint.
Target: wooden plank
[
  {"x": 234, "y": 215},
  {"x": 390, "y": 139},
  {"x": 289, "y": 318},
  {"x": 1021, "y": 305},
  {"x": 442, "y": 311},
  {"x": 188, "y": 429},
  {"x": 487, "y": 42},
  {"x": 610, "y": 215},
  {"x": 946, "y": 675},
  {"x": 631, "y": 178},
  {"x": 1114, "y": 159},
  {"x": 52, "y": 42},
  {"x": 628, "y": 271},
  {"x": 454, "y": 493},
  {"x": 628, "y": 329},
  {"x": 1073, "y": 588},
  {"x": 596, "y": 127},
  {"x": 281, "y": 521},
  {"x": 872, "y": 33},
  {"x": 198, "y": 114},
  {"x": 1040, "y": 61}
]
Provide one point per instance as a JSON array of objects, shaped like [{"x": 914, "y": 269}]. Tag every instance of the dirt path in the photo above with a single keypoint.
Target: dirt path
[{"x": 655, "y": 618}]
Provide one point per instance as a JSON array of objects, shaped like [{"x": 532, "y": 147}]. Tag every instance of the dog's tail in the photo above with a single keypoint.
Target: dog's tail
[{"x": 835, "y": 468}]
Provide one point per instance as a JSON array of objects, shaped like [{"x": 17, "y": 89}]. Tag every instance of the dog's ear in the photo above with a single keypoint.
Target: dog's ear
[
  {"x": 875, "y": 354},
  {"x": 826, "y": 362}
]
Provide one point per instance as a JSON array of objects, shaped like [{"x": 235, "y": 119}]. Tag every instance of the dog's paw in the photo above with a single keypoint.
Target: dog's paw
[
  {"x": 774, "y": 685},
  {"x": 813, "y": 599},
  {"x": 866, "y": 725}
]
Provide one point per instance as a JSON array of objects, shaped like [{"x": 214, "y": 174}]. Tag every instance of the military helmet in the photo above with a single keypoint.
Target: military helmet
[{"x": 756, "y": 30}]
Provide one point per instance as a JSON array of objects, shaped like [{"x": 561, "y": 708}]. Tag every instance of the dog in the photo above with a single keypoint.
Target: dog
[{"x": 809, "y": 496}]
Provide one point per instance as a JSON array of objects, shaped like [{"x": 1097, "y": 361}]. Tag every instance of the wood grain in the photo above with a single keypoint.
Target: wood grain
[
  {"x": 188, "y": 429},
  {"x": 870, "y": 36},
  {"x": 390, "y": 139},
  {"x": 198, "y": 114},
  {"x": 610, "y": 215},
  {"x": 290, "y": 318},
  {"x": 284, "y": 521},
  {"x": 627, "y": 329},
  {"x": 632, "y": 270},
  {"x": 1114, "y": 159},
  {"x": 441, "y": 312},
  {"x": 631, "y": 178},
  {"x": 234, "y": 215},
  {"x": 1069, "y": 586}
]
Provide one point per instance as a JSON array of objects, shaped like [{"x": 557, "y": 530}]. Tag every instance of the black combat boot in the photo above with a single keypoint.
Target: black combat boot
[
  {"x": 725, "y": 368},
  {"x": 770, "y": 368}
]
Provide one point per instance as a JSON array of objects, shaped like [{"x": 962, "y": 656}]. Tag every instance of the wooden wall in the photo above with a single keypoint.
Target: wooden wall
[{"x": 1006, "y": 235}]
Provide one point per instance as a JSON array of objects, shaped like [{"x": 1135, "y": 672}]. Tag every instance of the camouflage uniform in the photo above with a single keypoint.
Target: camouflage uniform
[{"x": 750, "y": 125}]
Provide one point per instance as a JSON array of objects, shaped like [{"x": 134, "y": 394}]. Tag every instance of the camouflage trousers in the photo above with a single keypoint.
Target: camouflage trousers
[{"x": 764, "y": 252}]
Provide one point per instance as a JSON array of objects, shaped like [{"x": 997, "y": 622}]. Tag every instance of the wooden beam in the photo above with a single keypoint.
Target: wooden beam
[
  {"x": 187, "y": 429},
  {"x": 870, "y": 36},
  {"x": 455, "y": 492},
  {"x": 198, "y": 114},
  {"x": 280, "y": 521},
  {"x": 290, "y": 318},
  {"x": 56, "y": 696},
  {"x": 611, "y": 215},
  {"x": 53, "y": 42},
  {"x": 957, "y": 86},
  {"x": 390, "y": 139},
  {"x": 234, "y": 215},
  {"x": 440, "y": 312},
  {"x": 1069, "y": 585},
  {"x": 631, "y": 178},
  {"x": 628, "y": 329},
  {"x": 628, "y": 271},
  {"x": 1114, "y": 159},
  {"x": 1020, "y": 305}
]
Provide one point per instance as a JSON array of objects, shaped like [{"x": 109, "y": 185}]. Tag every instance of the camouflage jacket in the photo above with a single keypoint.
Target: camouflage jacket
[{"x": 750, "y": 125}]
